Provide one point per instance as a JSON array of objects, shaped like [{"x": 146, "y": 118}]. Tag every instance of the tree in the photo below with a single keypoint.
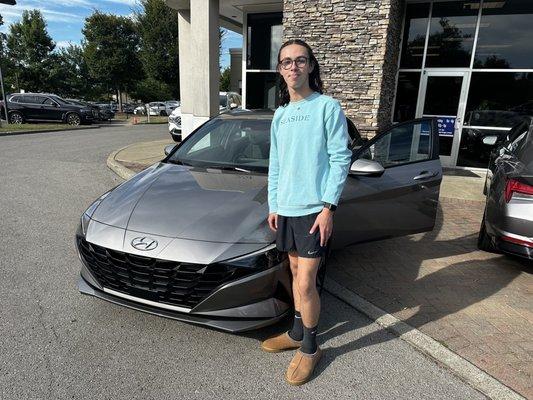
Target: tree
[
  {"x": 225, "y": 80},
  {"x": 111, "y": 47},
  {"x": 71, "y": 74},
  {"x": 159, "y": 48},
  {"x": 29, "y": 48},
  {"x": 150, "y": 89}
]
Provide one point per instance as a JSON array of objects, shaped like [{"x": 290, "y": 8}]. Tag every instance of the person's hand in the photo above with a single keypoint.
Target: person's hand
[
  {"x": 324, "y": 222},
  {"x": 273, "y": 221}
]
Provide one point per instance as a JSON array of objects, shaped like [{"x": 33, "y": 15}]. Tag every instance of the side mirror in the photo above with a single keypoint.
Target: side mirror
[
  {"x": 490, "y": 140},
  {"x": 169, "y": 148},
  {"x": 364, "y": 167}
]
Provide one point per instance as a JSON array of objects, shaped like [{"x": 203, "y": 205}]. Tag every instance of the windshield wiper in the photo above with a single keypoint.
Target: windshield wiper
[
  {"x": 179, "y": 162},
  {"x": 227, "y": 168}
]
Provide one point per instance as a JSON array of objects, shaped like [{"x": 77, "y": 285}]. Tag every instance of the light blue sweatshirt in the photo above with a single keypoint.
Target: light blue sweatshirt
[{"x": 309, "y": 156}]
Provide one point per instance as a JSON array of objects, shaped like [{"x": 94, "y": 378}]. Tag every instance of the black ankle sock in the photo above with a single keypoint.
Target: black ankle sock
[
  {"x": 309, "y": 344},
  {"x": 297, "y": 332}
]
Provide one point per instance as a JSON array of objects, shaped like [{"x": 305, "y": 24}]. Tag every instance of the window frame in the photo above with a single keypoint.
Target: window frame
[{"x": 433, "y": 141}]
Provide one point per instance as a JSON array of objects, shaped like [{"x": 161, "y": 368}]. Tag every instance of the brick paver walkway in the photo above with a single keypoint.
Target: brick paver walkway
[{"x": 479, "y": 305}]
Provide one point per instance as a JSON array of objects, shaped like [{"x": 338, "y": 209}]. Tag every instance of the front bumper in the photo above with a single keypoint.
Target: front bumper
[{"x": 251, "y": 302}]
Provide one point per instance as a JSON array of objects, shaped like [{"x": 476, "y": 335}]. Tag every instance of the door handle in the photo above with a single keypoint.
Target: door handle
[{"x": 425, "y": 175}]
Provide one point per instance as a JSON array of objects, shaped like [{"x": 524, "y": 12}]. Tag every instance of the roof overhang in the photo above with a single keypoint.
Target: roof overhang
[{"x": 231, "y": 11}]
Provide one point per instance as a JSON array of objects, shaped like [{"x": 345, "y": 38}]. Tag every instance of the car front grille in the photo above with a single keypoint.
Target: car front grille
[{"x": 163, "y": 281}]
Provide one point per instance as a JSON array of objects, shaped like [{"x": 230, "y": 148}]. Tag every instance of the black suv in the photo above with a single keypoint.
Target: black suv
[{"x": 24, "y": 107}]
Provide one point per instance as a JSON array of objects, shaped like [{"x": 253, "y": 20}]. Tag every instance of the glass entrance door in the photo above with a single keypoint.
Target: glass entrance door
[{"x": 443, "y": 96}]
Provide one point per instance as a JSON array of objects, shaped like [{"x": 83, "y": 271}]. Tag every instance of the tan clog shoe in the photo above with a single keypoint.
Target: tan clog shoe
[
  {"x": 280, "y": 342},
  {"x": 302, "y": 366}
]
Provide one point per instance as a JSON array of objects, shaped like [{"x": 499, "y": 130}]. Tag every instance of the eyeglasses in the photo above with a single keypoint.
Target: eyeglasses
[{"x": 301, "y": 62}]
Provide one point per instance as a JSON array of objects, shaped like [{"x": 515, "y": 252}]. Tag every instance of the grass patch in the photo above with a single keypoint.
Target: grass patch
[{"x": 35, "y": 127}]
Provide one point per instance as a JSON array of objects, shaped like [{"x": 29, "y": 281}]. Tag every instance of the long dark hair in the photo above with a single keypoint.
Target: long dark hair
[{"x": 315, "y": 82}]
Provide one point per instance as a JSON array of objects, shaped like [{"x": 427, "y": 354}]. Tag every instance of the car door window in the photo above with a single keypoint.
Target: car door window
[
  {"x": 403, "y": 144},
  {"x": 48, "y": 102}
]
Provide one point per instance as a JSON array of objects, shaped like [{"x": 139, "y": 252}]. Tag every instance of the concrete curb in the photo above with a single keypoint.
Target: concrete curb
[
  {"x": 15, "y": 133},
  {"x": 462, "y": 368},
  {"x": 115, "y": 166}
]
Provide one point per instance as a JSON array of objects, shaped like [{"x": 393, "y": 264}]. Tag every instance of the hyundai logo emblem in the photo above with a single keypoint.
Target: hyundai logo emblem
[{"x": 144, "y": 243}]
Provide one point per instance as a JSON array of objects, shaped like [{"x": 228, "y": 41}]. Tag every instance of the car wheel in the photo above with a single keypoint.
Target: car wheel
[
  {"x": 484, "y": 241},
  {"x": 73, "y": 119},
  {"x": 163, "y": 113},
  {"x": 16, "y": 118}
]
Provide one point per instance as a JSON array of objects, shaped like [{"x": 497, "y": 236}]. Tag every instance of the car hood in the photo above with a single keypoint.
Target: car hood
[{"x": 191, "y": 203}]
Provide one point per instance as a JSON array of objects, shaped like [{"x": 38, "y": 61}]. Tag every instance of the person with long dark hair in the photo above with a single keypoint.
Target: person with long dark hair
[{"x": 309, "y": 161}]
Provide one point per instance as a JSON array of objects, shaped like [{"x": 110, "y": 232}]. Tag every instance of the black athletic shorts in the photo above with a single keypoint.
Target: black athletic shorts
[{"x": 293, "y": 234}]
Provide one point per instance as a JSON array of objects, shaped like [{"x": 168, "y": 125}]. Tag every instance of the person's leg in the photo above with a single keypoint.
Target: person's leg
[
  {"x": 309, "y": 301},
  {"x": 296, "y": 332}
]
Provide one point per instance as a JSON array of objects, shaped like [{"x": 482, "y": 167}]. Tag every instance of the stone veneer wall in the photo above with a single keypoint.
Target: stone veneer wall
[{"x": 356, "y": 43}]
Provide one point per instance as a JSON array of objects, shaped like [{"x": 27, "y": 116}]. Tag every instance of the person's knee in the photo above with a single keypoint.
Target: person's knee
[{"x": 306, "y": 286}]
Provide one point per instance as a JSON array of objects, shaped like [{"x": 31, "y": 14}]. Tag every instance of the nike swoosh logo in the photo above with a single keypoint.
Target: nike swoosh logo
[{"x": 308, "y": 252}]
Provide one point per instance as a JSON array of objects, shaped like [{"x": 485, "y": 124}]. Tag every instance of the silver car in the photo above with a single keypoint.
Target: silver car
[
  {"x": 188, "y": 238},
  {"x": 508, "y": 219}
]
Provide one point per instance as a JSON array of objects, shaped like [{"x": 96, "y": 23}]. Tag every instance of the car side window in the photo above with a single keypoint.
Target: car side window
[
  {"x": 48, "y": 101},
  {"x": 26, "y": 99},
  {"x": 516, "y": 136},
  {"x": 401, "y": 145}
]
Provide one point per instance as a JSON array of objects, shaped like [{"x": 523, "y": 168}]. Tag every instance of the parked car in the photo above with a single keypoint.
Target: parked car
[
  {"x": 140, "y": 110},
  {"x": 507, "y": 224},
  {"x": 188, "y": 238},
  {"x": 174, "y": 124},
  {"x": 128, "y": 108},
  {"x": 227, "y": 101},
  {"x": 25, "y": 107},
  {"x": 171, "y": 105},
  {"x": 95, "y": 109},
  {"x": 158, "y": 108},
  {"x": 106, "y": 112}
]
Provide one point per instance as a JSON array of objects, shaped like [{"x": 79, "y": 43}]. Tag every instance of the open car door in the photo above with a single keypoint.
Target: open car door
[{"x": 393, "y": 185}]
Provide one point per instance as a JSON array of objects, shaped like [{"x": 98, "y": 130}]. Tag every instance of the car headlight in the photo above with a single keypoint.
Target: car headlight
[
  {"x": 260, "y": 260},
  {"x": 84, "y": 223}
]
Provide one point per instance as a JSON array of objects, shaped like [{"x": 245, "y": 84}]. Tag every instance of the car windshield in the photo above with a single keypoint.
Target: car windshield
[
  {"x": 223, "y": 100},
  {"x": 228, "y": 143}
]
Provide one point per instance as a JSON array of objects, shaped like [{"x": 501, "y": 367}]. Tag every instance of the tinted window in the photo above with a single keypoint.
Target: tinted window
[
  {"x": 264, "y": 40},
  {"x": 505, "y": 32},
  {"x": 223, "y": 100},
  {"x": 451, "y": 34},
  {"x": 28, "y": 99},
  {"x": 50, "y": 102},
  {"x": 240, "y": 143},
  {"x": 406, "y": 96},
  {"x": 401, "y": 145},
  {"x": 414, "y": 37}
]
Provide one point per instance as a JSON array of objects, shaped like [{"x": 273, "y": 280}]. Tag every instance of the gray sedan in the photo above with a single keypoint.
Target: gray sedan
[
  {"x": 508, "y": 219},
  {"x": 188, "y": 238}
]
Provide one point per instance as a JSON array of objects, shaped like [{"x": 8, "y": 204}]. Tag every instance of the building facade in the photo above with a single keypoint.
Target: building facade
[{"x": 467, "y": 63}]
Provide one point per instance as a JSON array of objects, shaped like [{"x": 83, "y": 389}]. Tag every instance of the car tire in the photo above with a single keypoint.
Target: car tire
[
  {"x": 73, "y": 119},
  {"x": 16, "y": 118},
  {"x": 484, "y": 241},
  {"x": 163, "y": 113}
]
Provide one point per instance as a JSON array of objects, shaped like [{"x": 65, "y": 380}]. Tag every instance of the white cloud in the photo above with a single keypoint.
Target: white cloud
[{"x": 14, "y": 13}]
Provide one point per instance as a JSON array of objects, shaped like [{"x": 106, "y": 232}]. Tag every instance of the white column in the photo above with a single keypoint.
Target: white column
[{"x": 186, "y": 72}]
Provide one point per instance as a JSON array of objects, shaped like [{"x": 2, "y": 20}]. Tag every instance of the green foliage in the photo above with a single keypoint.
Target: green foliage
[
  {"x": 111, "y": 49},
  {"x": 225, "y": 80},
  {"x": 28, "y": 49},
  {"x": 159, "y": 51},
  {"x": 149, "y": 89}
]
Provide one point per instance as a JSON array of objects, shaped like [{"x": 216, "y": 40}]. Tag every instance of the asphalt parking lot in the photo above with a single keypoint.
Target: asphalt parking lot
[{"x": 59, "y": 344}]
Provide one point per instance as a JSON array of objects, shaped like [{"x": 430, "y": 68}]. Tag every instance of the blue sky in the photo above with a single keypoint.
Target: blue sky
[{"x": 65, "y": 19}]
